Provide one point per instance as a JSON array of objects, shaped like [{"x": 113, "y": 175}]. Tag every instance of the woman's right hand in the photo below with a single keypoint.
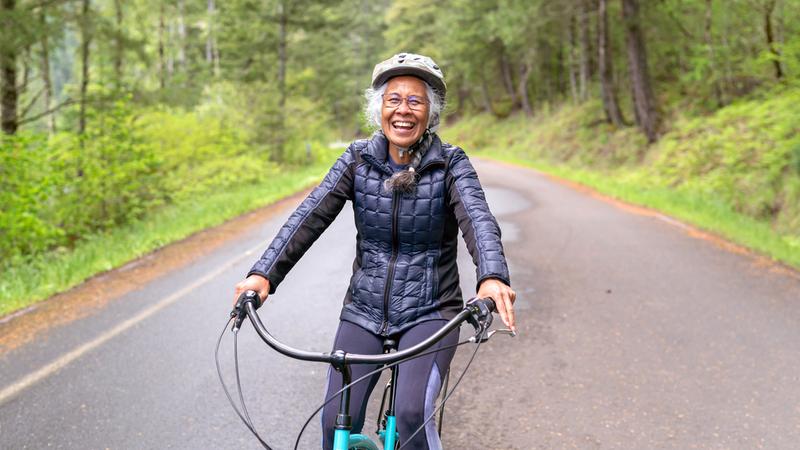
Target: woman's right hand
[{"x": 253, "y": 282}]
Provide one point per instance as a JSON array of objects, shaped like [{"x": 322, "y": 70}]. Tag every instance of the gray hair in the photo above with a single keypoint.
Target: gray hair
[{"x": 374, "y": 96}]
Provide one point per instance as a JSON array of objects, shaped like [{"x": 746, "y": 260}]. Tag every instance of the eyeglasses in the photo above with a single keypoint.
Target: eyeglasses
[{"x": 414, "y": 102}]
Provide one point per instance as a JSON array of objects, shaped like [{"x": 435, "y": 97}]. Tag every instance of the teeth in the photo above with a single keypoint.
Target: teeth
[{"x": 403, "y": 124}]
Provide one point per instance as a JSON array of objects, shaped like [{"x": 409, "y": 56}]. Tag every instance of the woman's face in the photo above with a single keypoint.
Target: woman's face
[{"x": 402, "y": 125}]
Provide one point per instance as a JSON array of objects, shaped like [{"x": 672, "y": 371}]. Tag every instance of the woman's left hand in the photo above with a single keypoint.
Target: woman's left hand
[{"x": 503, "y": 297}]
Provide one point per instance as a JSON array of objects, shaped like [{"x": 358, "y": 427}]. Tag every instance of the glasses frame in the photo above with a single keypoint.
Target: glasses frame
[{"x": 423, "y": 101}]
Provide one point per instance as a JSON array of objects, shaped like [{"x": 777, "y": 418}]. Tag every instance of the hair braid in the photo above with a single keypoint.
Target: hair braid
[{"x": 405, "y": 181}]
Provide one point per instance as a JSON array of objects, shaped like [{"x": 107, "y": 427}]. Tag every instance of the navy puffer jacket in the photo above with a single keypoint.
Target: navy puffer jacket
[{"x": 405, "y": 268}]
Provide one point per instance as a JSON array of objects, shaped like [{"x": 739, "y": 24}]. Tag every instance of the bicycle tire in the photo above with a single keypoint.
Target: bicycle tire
[{"x": 361, "y": 442}]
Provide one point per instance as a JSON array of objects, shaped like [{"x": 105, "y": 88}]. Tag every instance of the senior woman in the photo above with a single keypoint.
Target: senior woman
[{"x": 411, "y": 193}]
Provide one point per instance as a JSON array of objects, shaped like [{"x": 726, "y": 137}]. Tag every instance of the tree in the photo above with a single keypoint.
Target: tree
[
  {"x": 8, "y": 65},
  {"x": 607, "y": 89},
  {"x": 644, "y": 103},
  {"x": 45, "y": 68},
  {"x": 768, "y": 8},
  {"x": 86, "y": 41}
]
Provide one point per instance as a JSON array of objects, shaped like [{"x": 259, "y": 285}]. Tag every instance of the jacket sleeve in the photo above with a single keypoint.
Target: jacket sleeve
[
  {"x": 478, "y": 226},
  {"x": 307, "y": 222}
]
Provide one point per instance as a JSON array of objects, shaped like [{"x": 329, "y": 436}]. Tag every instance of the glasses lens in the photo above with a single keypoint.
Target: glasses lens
[
  {"x": 415, "y": 102},
  {"x": 393, "y": 101}
]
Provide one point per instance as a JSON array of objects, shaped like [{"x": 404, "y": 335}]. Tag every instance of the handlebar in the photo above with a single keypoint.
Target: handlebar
[{"x": 477, "y": 312}]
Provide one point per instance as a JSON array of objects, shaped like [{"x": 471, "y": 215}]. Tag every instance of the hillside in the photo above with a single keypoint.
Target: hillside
[{"x": 734, "y": 172}]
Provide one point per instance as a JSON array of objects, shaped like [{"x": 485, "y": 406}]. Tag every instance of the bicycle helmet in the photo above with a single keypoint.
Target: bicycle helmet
[{"x": 410, "y": 64}]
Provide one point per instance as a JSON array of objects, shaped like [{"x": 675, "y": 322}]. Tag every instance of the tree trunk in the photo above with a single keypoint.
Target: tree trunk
[
  {"x": 162, "y": 66},
  {"x": 46, "y": 80},
  {"x": 86, "y": 39},
  {"x": 524, "y": 75},
  {"x": 644, "y": 103},
  {"x": 26, "y": 73},
  {"x": 485, "y": 97},
  {"x": 719, "y": 95},
  {"x": 212, "y": 53},
  {"x": 8, "y": 63},
  {"x": 182, "y": 36},
  {"x": 585, "y": 50},
  {"x": 283, "y": 19},
  {"x": 607, "y": 90},
  {"x": 769, "y": 6},
  {"x": 572, "y": 59},
  {"x": 508, "y": 79},
  {"x": 119, "y": 45}
]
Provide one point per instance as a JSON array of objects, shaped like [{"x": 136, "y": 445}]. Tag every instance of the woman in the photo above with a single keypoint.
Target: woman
[{"x": 411, "y": 193}]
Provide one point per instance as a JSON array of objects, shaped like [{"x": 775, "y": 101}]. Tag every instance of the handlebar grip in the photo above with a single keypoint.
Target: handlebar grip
[
  {"x": 482, "y": 309},
  {"x": 239, "y": 312},
  {"x": 249, "y": 296},
  {"x": 486, "y": 303}
]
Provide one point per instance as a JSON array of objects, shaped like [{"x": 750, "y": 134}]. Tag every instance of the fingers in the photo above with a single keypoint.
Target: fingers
[
  {"x": 255, "y": 283},
  {"x": 504, "y": 298},
  {"x": 237, "y": 290},
  {"x": 509, "y": 301},
  {"x": 503, "y": 308}
]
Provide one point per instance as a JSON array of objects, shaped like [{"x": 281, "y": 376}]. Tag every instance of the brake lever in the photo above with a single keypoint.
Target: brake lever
[{"x": 485, "y": 336}]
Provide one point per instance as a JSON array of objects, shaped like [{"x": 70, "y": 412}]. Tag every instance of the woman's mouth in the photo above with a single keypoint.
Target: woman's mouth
[{"x": 403, "y": 125}]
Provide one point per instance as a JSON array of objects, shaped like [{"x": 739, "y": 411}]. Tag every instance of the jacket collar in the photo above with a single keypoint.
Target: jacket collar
[{"x": 377, "y": 150}]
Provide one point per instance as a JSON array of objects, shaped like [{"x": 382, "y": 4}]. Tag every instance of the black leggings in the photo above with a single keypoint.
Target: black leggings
[{"x": 418, "y": 382}]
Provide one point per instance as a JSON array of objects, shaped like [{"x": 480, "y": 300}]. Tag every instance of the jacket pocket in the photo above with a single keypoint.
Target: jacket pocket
[
  {"x": 428, "y": 282},
  {"x": 358, "y": 277}
]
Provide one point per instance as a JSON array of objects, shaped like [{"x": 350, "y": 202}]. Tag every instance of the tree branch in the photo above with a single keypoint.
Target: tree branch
[
  {"x": 45, "y": 4},
  {"x": 49, "y": 111},
  {"x": 27, "y": 108}
]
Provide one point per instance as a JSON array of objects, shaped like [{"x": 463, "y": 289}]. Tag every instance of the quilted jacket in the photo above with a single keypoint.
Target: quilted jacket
[{"x": 405, "y": 268}]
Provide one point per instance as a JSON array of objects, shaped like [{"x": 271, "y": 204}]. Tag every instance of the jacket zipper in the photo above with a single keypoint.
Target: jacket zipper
[{"x": 387, "y": 290}]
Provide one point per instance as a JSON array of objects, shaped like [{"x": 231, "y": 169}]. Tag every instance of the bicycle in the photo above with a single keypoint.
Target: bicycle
[{"x": 477, "y": 313}]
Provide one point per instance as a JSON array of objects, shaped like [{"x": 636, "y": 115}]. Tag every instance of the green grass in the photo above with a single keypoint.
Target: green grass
[
  {"x": 38, "y": 278},
  {"x": 700, "y": 210}
]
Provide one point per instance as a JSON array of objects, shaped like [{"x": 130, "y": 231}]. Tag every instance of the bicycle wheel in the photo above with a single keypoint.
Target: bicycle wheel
[{"x": 361, "y": 442}]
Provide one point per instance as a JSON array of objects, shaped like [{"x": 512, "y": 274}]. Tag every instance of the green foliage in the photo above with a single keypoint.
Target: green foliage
[
  {"x": 746, "y": 156},
  {"x": 26, "y": 185},
  {"x": 44, "y": 274},
  {"x": 131, "y": 163}
]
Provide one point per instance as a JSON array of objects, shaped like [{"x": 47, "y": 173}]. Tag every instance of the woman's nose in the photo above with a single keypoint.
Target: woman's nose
[{"x": 404, "y": 106}]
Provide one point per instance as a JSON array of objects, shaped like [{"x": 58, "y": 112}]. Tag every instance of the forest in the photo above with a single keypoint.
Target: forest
[{"x": 113, "y": 111}]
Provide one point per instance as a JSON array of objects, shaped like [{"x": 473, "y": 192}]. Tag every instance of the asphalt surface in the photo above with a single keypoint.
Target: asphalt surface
[{"x": 635, "y": 332}]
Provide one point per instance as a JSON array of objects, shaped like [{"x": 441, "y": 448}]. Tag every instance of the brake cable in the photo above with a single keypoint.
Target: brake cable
[
  {"x": 247, "y": 422},
  {"x": 245, "y": 418}
]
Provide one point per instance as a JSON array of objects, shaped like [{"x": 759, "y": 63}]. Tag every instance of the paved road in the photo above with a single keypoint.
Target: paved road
[{"x": 635, "y": 332}]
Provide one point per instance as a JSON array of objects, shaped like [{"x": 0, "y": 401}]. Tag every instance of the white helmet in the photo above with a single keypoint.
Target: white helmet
[{"x": 410, "y": 64}]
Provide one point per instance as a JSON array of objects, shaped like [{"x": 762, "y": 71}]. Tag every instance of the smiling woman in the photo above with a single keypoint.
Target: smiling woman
[{"x": 411, "y": 193}]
